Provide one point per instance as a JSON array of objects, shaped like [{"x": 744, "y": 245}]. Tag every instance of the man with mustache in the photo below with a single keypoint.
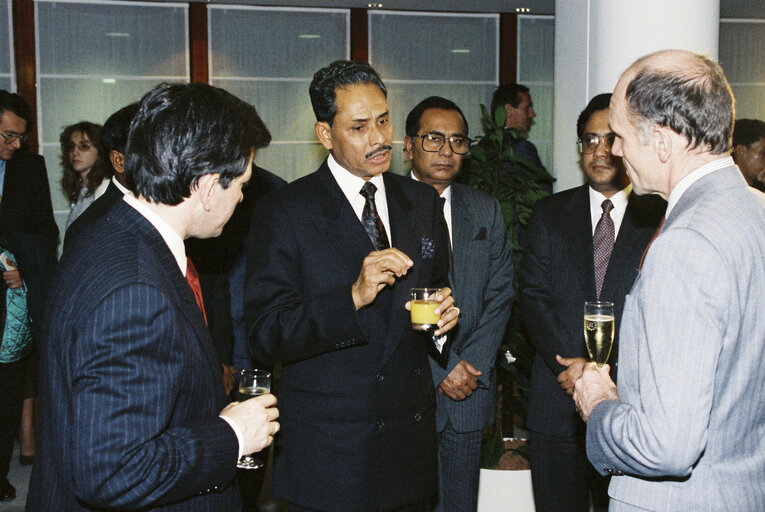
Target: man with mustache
[
  {"x": 330, "y": 261},
  {"x": 560, "y": 270},
  {"x": 482, "y": 277}
]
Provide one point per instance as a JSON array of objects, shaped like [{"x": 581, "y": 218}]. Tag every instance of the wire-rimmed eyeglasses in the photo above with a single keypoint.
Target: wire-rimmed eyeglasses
[
  {"x": 432, "y": 142},
  {"x": 590, "y": 142},
  {"x": 9, "y": 137}
]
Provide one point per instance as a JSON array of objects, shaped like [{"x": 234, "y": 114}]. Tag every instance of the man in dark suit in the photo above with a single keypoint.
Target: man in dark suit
[
  {"x": 559, "y": 272},
  {"x": 749, "y": 150},
  {"x": 133, "y": 413},
  {"x": 328, "y": 278},
  {"x": 29, "y": 232},
  {"x": 481, "y": 276},
  {"x": 114, "y": 138}
]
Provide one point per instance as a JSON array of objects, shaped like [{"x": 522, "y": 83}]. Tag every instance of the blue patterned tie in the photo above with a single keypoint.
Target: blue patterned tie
[
  {"x": 603, "y": 244},
  {"x": 371, "y": 220}
]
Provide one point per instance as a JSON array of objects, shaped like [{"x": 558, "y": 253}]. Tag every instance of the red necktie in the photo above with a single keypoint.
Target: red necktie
[
  {"x": 193, "y": 279},
  {"x": 642, "y": 258}
]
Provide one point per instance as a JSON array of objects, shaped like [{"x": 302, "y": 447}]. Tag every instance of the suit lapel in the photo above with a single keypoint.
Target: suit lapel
[
  {"x": 463, "y": 231},
  {"x": 578, "y": 233},
  {"x": 629, "y": 242}
]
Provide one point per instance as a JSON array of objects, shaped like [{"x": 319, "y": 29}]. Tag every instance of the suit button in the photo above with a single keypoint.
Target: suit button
[
  {"x": 417, "y": 417},
  {"x": 417, "y": 371},
  {"x": 380, "y": 377},
  {"x": 380, "y": 423}
]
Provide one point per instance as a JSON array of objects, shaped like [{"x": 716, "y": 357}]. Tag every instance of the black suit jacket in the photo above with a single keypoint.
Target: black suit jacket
[
  {"x": 93, "y": 212},
  {"x": 130, "y": 386},
  {"x": 356, "y": 398},
  {"x": 558, "y": 276}
]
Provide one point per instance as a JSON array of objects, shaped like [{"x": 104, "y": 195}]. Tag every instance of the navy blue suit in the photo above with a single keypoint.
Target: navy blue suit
[
  {"x": 356, "y": 399},
  {"x": 130, "y": 383}
]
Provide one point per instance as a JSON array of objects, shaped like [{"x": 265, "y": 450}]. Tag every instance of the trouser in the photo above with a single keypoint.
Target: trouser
[
  {"x": 459, "y": 465},
  {"x": 12, "y": 378}
]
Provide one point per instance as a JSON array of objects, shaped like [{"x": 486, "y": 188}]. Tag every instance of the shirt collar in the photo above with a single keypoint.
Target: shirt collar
[
  {"x": 351, "y": 184},
  {"x": 619, "y": 200},
  {"x": 693, "y": 177},
  {"x": 169, "y": 235},
  {"x": 120, "y": 186}
]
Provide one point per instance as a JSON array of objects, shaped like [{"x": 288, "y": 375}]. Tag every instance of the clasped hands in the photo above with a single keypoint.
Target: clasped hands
[
  {"x": 586, "y": 383},
  {"x": 381, "y": 268}
]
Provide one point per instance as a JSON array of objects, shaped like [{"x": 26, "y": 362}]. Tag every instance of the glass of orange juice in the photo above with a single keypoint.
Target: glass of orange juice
[{"x": 423, "y": 304}]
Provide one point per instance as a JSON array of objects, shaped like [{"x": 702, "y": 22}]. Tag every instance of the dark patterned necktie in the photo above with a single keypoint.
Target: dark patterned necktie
[
  {"x": 371, "y": 220},
  {"x": 603, "y": 244},
  {"x": 193, "y": 279}
]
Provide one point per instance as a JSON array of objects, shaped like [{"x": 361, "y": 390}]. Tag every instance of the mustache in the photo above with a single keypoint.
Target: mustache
[{"x": 378, "y": 150}]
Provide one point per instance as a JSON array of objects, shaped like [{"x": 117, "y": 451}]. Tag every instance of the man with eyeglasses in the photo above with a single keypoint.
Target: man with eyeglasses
[
  {"x": 481, "y": 276},
  {"x": 28, "y": 231},
  {"x": 583, "y": 244}
]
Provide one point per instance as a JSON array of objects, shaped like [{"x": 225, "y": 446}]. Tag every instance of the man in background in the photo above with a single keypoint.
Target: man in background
[
  {"x": 749, "y": 150},
  {"x": 582, "y": 244},
  {"x": 331, "y": 258},
  {"x": 684, "y": 429},
  {"x": 29, "y": 232},
  {"x": 482, "y": 278},
  {"x": 133, "y": 411}
]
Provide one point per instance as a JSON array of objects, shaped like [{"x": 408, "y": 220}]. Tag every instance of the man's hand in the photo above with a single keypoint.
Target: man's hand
[
  {"x": 568, "y": 377},
  {"x": 594, "y": 386},
  {"x": 449, "y": 312},
  {"x": 12, "y": 278},
  {"x": 379, "y": 269},
  {"x": 229, "y": 379},
  {"x": 461, "y": 381},
  {"x": 256, "y": 419}
]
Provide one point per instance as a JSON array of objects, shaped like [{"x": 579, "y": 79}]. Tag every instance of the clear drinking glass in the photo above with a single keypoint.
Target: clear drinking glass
[
  {"x": 599, "y": 325},
  {"x": 422, "y": 306},
  {"x": 252, "y": 383}
]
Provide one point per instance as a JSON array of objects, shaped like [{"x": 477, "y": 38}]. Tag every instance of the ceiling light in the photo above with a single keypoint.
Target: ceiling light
[
  {"x": 309, "y": 36},
  {"x": 116, "y": 34},
  {"x": 109, "y": 80},
  {"x": 460, "y": 50}
]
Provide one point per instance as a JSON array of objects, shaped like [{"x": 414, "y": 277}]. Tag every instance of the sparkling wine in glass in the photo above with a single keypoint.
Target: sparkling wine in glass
[
  {"x": 599, "y": 325},
  {"x": 253, "y": 383}
]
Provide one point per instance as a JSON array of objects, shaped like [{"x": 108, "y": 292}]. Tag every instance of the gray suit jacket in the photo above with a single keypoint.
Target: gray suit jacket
[
  {"x": 482, "y": 282},
  {"x": 687, "y": 433}
]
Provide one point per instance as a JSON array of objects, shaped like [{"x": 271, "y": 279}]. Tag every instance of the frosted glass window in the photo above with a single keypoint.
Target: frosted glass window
[
  {"x": 743, "y": 60},
  {"x": 460, "y": 63},
  {"x": 7, "y": 75},
  {"x": 536, "y": 64},
  {"x": 94, "y": 58},
  {"x": 267, "y": 57}
]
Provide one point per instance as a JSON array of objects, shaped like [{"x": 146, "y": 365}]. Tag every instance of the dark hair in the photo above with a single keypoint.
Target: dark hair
[
  {"x": 747, "y": 131},
  {"x": 507, "y": 94},
  {"x": 693, "y": 100},
  {"x": 182, "y": 132},
  {"x": 338, "y": 75},
  {"x": 70, "y": 179},
  {"x": 116, "y": 128},
  {"x": 596, "y": 104},
  {"x": 16, "y": 104},
  {"x": 414, "y": 116}
]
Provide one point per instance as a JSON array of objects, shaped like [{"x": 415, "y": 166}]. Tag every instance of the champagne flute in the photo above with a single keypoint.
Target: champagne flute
[
  {"x": 252, "y": 383},
  {"x": 599, "y": 324}
]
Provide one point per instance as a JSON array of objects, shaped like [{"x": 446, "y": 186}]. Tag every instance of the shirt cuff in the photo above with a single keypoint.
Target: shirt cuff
[
  {"x": 237, "y": 431},
  {"x": 440, "y": 342}
]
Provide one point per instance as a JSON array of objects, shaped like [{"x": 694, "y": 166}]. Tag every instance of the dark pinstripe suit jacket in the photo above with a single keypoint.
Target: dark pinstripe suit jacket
[
  {"x": 482, "y": 280},
  {"x": 558, "y": 276},
  {"x": 130, "y": 385}
]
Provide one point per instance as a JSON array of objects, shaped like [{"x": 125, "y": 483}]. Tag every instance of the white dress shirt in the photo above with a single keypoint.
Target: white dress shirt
[
  {"x": 619, "y": 200},
  {"x": 693, "y": 177}
]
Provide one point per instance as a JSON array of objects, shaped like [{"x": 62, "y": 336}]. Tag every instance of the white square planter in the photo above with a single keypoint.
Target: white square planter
[{"x": 505, "y": 491}]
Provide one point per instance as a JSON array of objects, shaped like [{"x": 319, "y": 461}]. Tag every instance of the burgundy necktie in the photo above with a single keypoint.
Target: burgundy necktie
[
  {"x": 193, "y": 279},
  {"x": 603, "y": 244},
  {"x": 655, "y": 234}
]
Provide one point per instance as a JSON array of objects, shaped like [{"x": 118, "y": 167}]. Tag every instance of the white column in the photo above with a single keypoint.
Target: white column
[{"x": 596, "y": 40}]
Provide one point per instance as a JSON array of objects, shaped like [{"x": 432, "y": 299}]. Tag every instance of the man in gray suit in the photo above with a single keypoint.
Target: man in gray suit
[
  {"x": 684, "y": 429},
  {"x": 481, "y": 276}
]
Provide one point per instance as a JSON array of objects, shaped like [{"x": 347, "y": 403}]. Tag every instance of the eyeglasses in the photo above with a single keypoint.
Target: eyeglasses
[
  {"x": 9, "y": 137},
  {"x": 82, "y": 146},
  {"x": 432, "y": 142},
  {"x": 590, "y": 142}
]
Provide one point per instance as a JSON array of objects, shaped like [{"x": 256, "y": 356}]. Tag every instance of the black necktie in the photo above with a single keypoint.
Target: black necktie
[
  {"x": 603, "y": 244},
  {"x": 371, "y": 220}
]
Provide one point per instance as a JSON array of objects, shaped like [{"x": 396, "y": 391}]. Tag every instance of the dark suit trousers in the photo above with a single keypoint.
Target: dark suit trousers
[
  {"x": 562, "y": 477},
  {"x": 12, "y": 377},
  {"x": 418, "y": 507},
  {"x": 459, "y": 465}
]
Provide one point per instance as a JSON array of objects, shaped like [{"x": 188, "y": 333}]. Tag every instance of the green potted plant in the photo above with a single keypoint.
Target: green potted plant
[{"x": 517, "y": 184}]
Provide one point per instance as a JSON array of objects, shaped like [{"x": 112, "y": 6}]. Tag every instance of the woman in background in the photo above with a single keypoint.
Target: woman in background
[{"x": 85, "y": 166}]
